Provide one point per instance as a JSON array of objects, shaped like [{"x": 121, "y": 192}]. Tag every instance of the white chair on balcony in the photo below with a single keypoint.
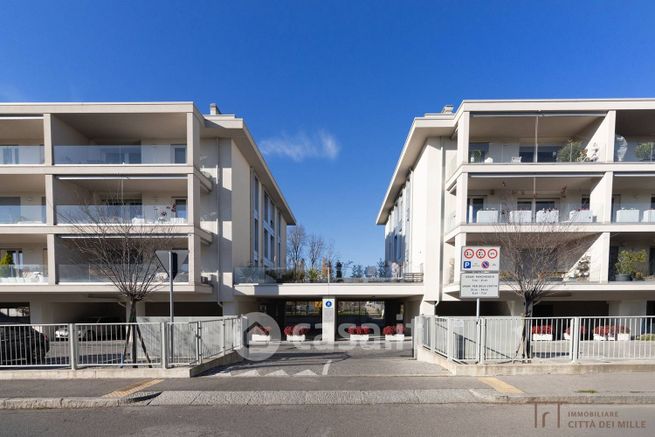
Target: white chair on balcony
[{"x": 516, "y": 159}]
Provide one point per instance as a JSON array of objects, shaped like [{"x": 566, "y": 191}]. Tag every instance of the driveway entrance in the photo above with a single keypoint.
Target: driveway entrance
[{"x": 341, "y": 359}]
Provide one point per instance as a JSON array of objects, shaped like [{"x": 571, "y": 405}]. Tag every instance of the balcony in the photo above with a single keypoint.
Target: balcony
[
  {"x": 265, "y": 275},
  {"x": 136, "y": 214},
  {"x": 518, "y": 216},
  {"x": 21, "y": 154},
  {"x": 120, "y": 154},
  {"x": 88, "y": 273},
  {"x": 517, "y": 153},
  {"x": 22, "y": 214},
  {"x": 23, "y": 274},
  {"x": 634, "y": 140}
]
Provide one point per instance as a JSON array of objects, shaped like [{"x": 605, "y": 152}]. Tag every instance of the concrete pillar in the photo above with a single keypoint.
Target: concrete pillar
[
  {"x": 49, "y": 199},
  {"x": 610, "y": 132},
  {"x": 460, "y": 241},
  {"x": 601, "y": 198},
  {"x": 41, "y": 311},
  {"x": 51, "y": 242},
  {"x": 195, "y": 254},
  {"x": 328, "y": 319},
  {"x": 515, "y": 307},
  {"x": 463, "y": 138},
  {"x": 461, "y": 200},
  {"x": 193, "y": 139},
  {"x": 47, "y": 140}
]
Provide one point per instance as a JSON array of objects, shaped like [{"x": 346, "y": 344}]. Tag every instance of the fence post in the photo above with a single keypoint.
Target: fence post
[
  {"x": 433, "y": 333},
  {"x": 417, "y": 335},
  {"x": 198, "y": 342},
  {"x": 575, "y": 339},
  {"x": 449, "y": 338},
  {"x": 483, "y": 339},
  {"x": 72, "y": 345},
  {"x": 164, "y": 345}
]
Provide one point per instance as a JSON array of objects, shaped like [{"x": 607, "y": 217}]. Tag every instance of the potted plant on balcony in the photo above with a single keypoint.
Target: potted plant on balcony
[
  {"x": 572, "y": 151},
  {"x": 542, "y": 333},
  {"x": 394, "y": 333},
  {"x": 621, "y": 332},
  {"x": 261, "y": 334},
  {"x": 626, "y": 264},
  {"x": 296, "y": 333},
  {"x": 582, "y": 331},
  {"x": 359, "y": 333},
  {"x": 645, "y": 151},
  {"x": 603, "y": 333}
]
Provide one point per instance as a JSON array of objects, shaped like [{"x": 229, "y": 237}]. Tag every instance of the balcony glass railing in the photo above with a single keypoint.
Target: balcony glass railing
[
  {"x": 492, "y": 216},
  {"x": 135, "y": 214},
  {"x": 22, "y": 214},
  {"x": 23, "y": 274},
  {"x": 634, "y": 215},
  {"x": 275, "y": 275},
  {"x": 91, "y": 273},
  {"x": 119, "y": 154},
  {"x": 483, "y": 153},
  {"x": 15, "y": 155},
  {"x": 629, "y": 150}
]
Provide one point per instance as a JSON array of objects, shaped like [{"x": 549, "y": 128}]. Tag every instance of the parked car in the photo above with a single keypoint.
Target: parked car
[
  {"x": 22, "y": 344},
  {"x": 94, "y": 328}
]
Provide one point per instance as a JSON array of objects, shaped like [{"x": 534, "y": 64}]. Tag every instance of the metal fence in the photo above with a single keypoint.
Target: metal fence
[
  {"x": 535, "y": 339},
  {"x": 118, "y": 344}
]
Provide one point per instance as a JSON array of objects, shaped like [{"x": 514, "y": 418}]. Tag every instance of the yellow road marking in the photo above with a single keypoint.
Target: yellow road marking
[
  {"x": 500, "y": 386},
  {"x": 121, "y": 393}
]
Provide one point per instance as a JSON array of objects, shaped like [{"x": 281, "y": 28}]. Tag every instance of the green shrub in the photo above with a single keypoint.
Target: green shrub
[
  {"x": 627, "y": 261},
  {"x": 646, "y": 337},
  {"x": 645, "y": 151},
  {"x": 573, "y": 151}
]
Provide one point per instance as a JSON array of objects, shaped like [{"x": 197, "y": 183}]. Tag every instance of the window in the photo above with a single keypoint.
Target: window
[
  {"x": 10, "y": 154},
  {"x": 180, "y": 208},
  {"x": 255, "y": 219},
  {"x": 475, "y": 205},
  {"x": 585, "y": 202},
  {"x": 267, "y": 254},
  {"x": 478, "y": 152},
  {"x": 279, "y": 240},
  {"x": 9, "y": 209},
  {"x": 179, "y": 153}
]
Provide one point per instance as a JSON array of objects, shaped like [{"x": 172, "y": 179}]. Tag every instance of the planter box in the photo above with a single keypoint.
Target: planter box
[
  {"x": 623, "y": 337},
  {"x": 355, "y": 337},
  {"x": 395, "y": 337},
  {"x": 259, "y": 338},
  {"x": 567, "y": 336},
  {"x": 542, "y": 337},
  {"x": 599, "y": 337},
  {"x": 295, "y": 338}
]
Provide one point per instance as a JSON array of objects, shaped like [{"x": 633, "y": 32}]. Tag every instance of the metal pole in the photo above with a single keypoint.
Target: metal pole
[
  {"x": 477, "y": 308},
  {"x": 170, "y": 295}
]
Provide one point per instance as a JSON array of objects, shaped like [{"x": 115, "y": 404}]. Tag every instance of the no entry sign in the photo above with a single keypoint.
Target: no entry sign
[{"x": 480, "y": 258}]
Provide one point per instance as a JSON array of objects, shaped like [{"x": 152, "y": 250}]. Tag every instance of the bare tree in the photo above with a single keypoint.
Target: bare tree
[
  {"x": 534, "y": 255},
  {"x": 296, "y": 244},
  {"x": 315, "y": 248},
  {"x": 121, "y": 249}
]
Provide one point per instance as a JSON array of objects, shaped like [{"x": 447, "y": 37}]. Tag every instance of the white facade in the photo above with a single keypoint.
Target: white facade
[
  {"x": 589, "y": 163},
  {"x": 173, "y": 166}
]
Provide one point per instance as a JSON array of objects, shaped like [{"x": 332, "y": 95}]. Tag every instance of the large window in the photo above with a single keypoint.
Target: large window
[{"x": 255, "y": 219}]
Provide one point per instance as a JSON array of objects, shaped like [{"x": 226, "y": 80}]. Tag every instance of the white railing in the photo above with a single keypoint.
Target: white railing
[
  {"x": 119, "y": 344},
  {"x": 538, "y": 339}
]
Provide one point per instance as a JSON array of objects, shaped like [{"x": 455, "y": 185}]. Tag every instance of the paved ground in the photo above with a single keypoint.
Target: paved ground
[
  {"x": 341, "y": 359},
  {"x": 377, "y": 420}
]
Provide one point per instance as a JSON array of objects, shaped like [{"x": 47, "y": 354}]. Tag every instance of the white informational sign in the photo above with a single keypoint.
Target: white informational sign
[
  {"x": 478, "y": 285},
  {"x": 329, "y": 317},
  {"x": 480, "y": 258}
]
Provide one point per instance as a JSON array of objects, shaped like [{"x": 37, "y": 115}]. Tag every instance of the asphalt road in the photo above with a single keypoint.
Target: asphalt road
[{"x": 378, "y": 420}]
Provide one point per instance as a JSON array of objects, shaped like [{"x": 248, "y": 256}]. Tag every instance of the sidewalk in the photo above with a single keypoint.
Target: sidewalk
[{"x": 625, "y": 388}]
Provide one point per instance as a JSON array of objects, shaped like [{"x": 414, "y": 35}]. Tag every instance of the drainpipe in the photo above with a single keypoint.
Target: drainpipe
[{"x": 218, "y": 230}]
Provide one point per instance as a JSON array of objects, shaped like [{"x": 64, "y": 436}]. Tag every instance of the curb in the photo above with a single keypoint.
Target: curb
[
  {"x": 628, "y": 399},
  {"x": 73, "y": 402}
]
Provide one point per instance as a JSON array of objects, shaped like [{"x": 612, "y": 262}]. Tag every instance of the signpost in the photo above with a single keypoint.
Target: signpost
[
  {"x": 172, "y": 262},
  {"x": 479, "y": 273}
]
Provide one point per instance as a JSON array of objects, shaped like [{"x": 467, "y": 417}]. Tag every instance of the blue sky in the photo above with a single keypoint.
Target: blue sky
[{"x": 328, "y": 88}]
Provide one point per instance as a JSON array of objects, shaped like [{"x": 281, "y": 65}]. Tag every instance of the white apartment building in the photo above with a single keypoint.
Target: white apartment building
[
  {"x": 199, "y": 175},
  {"x": 590, "y": 163}
]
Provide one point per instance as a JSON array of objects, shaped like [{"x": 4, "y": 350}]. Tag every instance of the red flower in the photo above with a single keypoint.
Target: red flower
[
  {"x": 542, "y": 329},
  {"x": 359, "y": 330},
  {"x": 296, "y": 330}
]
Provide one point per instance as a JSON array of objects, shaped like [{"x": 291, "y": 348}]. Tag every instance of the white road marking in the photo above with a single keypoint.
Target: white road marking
[
  {"x": 306, "y": 373},
  {"x": 326, "y": 367}
]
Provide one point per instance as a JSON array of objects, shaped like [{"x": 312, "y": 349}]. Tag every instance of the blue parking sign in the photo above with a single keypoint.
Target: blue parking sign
[{"x": 467, "y": 264}]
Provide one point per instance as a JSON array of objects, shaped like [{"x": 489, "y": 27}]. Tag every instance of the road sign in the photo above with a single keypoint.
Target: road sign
[
  {"x": 481, "y": 258},
  {"x": 478, "y": 285}
]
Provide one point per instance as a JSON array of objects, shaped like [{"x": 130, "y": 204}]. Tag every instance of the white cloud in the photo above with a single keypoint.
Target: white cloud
[{"x": 301, "y": 146}]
